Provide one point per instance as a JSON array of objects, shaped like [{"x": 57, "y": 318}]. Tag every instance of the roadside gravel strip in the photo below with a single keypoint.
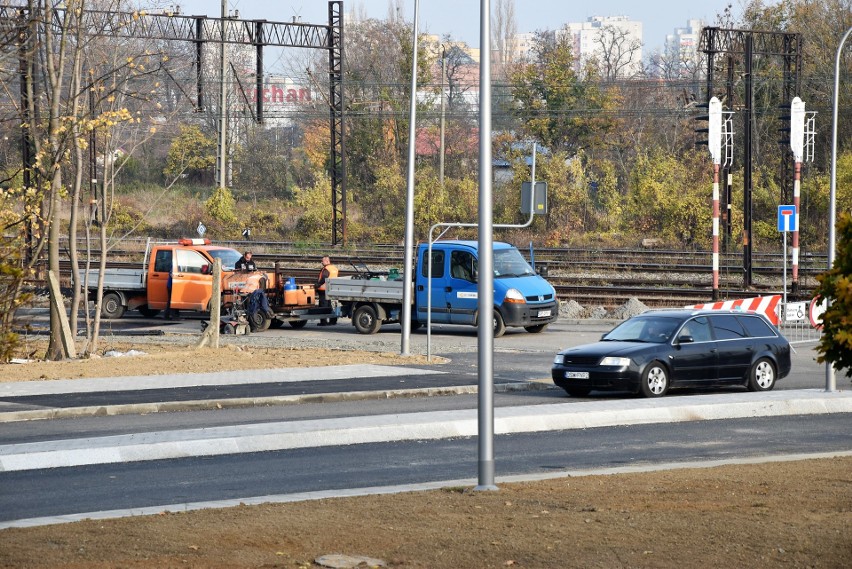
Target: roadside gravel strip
[{"x": 414, "y": 426}]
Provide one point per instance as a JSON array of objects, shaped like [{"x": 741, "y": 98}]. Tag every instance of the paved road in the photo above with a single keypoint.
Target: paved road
[
  {"x": 368, "y": 410},
  {"x": 57, "y": 495}
]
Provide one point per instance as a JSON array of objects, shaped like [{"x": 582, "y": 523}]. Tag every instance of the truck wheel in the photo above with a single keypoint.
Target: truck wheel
[
  {"x": 365, "y": 320},
  {"x": 276, "y": 324},
  {"x": 148, "y": 312},
  {"x": 111, "y": 307},
  {"x": 499, "y": 324},
  {"x": 259, "y": 321},
  {"x": 297, "y": 324},
  {"x": 536, "y": 329}
]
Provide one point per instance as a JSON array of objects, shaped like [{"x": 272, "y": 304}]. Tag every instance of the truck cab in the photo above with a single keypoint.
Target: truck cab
[
  {"x": 190, "y": 263},
  {"x": 522, "y": 298}
]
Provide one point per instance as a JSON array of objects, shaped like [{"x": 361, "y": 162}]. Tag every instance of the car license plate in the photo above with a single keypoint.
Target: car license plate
[
  {"x": 576, "y": 375},
  {"x": 543, "y": 313}
]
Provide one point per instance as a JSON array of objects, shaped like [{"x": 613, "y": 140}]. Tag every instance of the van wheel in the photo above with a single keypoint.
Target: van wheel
[
  {"x": 148, "y": 312},
  {"x": 365, "y": 320},
  {"x": 111, "y": 307},
  {"x": 499, "y": 324}
]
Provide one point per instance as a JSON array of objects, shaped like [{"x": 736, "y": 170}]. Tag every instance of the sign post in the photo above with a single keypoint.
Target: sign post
[{"x": 787, "y": 221}]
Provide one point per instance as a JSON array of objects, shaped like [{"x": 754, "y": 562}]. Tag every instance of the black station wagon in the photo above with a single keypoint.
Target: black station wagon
[{"x": 650, "y": 353}]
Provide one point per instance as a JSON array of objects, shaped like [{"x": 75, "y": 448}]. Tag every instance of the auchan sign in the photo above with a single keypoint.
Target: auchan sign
[{"x": 275, "y": 93}]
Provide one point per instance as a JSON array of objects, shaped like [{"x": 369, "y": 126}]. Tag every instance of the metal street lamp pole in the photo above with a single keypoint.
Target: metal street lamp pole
[
  {"x": 441, "y": 149},
  {"x": 830, "y": 379},
  {"x": 407, "y": 279},
  {"x": 485, "y": 291}
]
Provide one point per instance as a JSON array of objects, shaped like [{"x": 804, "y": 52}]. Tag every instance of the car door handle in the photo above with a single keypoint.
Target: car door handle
[
  {"x": 448, "y": 289},
  {"x": 420, "y": 288}
]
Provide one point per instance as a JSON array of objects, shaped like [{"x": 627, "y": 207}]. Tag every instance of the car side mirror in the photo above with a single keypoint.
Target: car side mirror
[
  {"x": 205, "y": 269},
  {"x": 685, "y": 339}
]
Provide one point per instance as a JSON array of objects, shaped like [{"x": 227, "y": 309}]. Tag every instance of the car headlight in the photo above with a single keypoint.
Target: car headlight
[
  {"x": 617, "y": 362},
  {"x": 515, "y": 296},
  {"x": 559, "y": 359}
]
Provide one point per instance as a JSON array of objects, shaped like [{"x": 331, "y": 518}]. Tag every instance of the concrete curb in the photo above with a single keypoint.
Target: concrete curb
[{"x": 414, "y": 426}]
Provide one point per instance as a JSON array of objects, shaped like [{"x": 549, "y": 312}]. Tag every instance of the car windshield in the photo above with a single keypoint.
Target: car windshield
[
  {"x": 229, "y": 257},
  {"x": 652, "y": 329},
  {"x": 509, "y": 263}
]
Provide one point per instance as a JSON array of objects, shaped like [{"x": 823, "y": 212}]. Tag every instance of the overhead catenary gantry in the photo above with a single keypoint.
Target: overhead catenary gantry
[
  {"x": 204, "y": 30},
  {"x": 730, "y": 49}
]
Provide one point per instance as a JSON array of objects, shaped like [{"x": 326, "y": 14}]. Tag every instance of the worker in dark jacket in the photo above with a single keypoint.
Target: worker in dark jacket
[
  {"x": 245, "y": 263},
  {"x": 328, "y": 271}
]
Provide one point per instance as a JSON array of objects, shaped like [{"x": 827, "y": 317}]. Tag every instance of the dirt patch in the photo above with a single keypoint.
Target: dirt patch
[
  {"x": 164, "y": 358},
  {"x": 787, "y": 514},
  {"x": 793, "y": 514}
]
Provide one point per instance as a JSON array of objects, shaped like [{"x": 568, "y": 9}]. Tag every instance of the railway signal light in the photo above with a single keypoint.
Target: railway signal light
[
  {"x": 702, "y": 133},
  {"x": 713, "y": 129},
  {"x": 784, "y": 120}
]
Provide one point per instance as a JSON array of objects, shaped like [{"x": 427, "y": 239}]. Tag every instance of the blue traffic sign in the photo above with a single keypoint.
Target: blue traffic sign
[{"x": 787, "y": 218}]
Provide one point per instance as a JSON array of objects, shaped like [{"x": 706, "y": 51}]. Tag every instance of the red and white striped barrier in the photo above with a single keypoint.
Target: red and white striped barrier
[{"x": 766, "y": 305}]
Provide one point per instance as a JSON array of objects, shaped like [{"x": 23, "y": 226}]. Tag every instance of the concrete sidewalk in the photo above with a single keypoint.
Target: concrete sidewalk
[{"x": 414, "y": 426}]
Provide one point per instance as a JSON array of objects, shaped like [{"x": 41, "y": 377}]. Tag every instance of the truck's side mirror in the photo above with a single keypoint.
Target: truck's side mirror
[{"x": 205, "y": 269}]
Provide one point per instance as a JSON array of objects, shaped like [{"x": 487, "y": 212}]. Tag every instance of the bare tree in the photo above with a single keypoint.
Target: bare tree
[
  {"x": 616, "y": 52},
  {"x": 504, "y": 28}
]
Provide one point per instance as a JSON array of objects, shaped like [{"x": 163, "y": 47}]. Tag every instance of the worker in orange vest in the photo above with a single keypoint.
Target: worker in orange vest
[{"x": 328, "y": 271}]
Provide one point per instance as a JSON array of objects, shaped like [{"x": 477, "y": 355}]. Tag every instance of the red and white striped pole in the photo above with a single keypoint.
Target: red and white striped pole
[
  {"x": 797, "y": 145},
  {"x": 714, "y": 141},
  {"x": 715, "y": 231},
  {"x": 797, "y": 182}
]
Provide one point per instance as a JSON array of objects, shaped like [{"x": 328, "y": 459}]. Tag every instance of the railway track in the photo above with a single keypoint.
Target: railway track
[{"x": 591, "y": 277}]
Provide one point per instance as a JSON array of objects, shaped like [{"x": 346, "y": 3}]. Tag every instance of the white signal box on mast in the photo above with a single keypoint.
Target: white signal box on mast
[
  {"x": 797, "y": 128},
  {"x": 714, "y": 129}
]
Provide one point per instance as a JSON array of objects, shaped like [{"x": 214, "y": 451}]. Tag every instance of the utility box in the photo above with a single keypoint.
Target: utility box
[{"x": 539, "y": 202}]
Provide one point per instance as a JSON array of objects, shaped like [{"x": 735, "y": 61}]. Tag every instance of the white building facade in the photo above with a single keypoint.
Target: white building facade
[
  {"x": 614, "y": 42},
  {"x": 682, "y": 47}
]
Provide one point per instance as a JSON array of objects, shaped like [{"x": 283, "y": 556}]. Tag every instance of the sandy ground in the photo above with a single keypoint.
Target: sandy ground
[{"x": 782, "y": 514}]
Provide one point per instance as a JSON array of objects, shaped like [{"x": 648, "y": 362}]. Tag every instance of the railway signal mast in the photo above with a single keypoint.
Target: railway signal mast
[
  {"x": 802, "y": 144},
  {"x": 719, "y": 142}
]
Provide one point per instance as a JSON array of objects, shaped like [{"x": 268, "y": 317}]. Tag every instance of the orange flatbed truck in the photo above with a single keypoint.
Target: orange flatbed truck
[
  {"x": 146, "y": 289},
  {"x": 191, "y": 263}
]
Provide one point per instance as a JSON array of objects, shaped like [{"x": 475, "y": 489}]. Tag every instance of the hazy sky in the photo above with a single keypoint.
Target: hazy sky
[{"x": 460, "y": 18}]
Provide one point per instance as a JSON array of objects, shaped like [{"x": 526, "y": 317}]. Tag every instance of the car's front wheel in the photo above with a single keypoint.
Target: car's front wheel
[
  {"x": 762, "y": 375},
  {"x": 499, "y": 324},
  {"x": 655, "y": 380}
]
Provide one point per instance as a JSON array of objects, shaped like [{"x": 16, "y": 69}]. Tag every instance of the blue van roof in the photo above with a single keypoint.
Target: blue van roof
[{"x": 468, "y": 243}]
